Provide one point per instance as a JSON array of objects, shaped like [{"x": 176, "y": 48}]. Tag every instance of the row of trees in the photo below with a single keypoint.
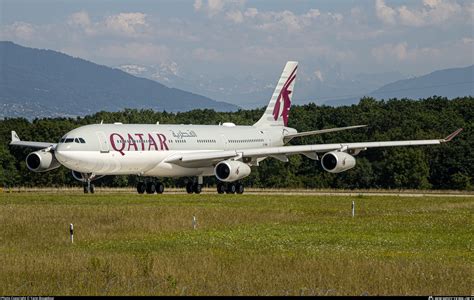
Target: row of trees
[{"x": 448, "y": 166}]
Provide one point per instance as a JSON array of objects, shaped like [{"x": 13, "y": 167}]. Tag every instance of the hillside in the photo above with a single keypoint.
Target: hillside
[
  {"x": 450, "y": 83},
  {"x": 46, "y": 83}
]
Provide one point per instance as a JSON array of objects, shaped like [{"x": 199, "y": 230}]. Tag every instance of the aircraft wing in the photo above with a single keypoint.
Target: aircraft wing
[
  {"x": 17, "y": 142},
  {"x": 210, "y": 157}
]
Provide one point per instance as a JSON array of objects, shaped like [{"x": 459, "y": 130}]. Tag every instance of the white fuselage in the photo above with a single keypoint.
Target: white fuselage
[{"x": 119, "y": 149}]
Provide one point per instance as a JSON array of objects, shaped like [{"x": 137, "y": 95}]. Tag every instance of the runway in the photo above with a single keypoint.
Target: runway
[{"x": 255, "y": 191}]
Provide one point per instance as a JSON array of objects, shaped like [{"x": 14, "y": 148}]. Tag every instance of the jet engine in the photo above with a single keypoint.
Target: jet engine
[
  {"x": 42, "y": 161},
  {"x": 336, "y": 161},
  {"x": 231, "y": 170}
]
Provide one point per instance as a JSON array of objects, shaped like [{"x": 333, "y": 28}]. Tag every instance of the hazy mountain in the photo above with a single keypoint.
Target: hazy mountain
[
  {"x": 244, "y": 91},
  {"x": 41, "y": 83},
  {"x": 450, "y": 83},
  {"x": 250, "y": 91}
]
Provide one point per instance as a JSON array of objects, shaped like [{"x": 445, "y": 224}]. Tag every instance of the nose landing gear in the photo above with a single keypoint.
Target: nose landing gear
[
  {"x": 86, "y": 178},
  {"x": 89, "y": 188}
]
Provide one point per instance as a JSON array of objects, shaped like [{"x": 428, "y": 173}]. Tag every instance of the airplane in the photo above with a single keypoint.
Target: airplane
[{"x": 226, "y": 151}]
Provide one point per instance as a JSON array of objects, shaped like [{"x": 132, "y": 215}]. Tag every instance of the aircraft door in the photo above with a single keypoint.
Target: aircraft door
[
  {"x": 267, "y": 141},
  {"x": 104, "y": 146},
  {"x": 224, "y": 142}
]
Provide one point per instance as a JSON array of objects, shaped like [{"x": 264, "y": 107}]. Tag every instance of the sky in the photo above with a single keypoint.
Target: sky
[{"x": 223, "y": 38}]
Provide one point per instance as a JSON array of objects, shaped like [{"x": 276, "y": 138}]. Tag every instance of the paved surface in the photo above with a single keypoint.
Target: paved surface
[{"x": 252, "y": 191}]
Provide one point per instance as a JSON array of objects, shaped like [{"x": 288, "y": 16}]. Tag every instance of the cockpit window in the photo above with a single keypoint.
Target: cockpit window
[
  {"x": 62, "y": 140},
  {"x": 82, "y": 141},
  {"x": 69, "y": 140},
  {"x": 76, "y": 140}
]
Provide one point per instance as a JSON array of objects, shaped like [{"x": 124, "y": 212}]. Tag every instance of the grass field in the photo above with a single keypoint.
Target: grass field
[{"x": 243, "y": 245}]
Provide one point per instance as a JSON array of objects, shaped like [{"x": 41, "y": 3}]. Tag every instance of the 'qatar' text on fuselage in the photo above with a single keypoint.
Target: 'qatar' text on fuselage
[{"x": 138, "y": 142}]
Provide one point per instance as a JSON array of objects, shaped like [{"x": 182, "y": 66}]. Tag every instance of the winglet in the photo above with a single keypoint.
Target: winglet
[
  {"x": 15, "y": 137},
  {"x": 452, "y": 135}
]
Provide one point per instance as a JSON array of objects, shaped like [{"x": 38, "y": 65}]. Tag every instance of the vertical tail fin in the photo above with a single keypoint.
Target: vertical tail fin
[{"x": 278, "y": 109}]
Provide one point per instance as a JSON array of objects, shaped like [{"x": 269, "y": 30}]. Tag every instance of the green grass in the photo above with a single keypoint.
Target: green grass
[{"x": 243, "y": 245}]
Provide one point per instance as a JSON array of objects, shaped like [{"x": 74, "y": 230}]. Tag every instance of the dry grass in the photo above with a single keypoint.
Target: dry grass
[{"x": 243, "y": 245}]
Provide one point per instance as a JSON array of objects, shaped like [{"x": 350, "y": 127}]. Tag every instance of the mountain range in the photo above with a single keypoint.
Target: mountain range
[
  {"x": 330, "y": 87},
  {"x": 251, "y": 90},
  {"x": 46, "y": 83},
  {"x": 450, "y": 83}
]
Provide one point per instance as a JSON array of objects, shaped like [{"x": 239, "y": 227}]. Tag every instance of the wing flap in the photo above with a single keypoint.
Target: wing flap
[{"x": 200, "y": 159}]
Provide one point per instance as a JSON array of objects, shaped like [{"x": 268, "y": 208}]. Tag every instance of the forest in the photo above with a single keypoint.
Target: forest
[{"x": 448, "y": 166}]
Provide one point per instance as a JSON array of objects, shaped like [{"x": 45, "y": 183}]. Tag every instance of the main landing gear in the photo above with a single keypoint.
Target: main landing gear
[
  {"x": 230, "y": 188},
  {"x": 194, "y": 186},
  {"x": 150, "y": 187}
]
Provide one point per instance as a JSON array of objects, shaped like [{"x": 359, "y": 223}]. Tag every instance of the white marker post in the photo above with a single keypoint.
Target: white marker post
[
  {"x": 353, "y": 208},
  {"x": 71, "y": 231},
  {"x": 194, "y": 222}
]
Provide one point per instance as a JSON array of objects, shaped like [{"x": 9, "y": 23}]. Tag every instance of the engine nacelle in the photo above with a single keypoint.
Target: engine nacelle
[
  {"x": 42, "y": 161},
  {"x": 231, "y": 170},
  {"x": 336, "y": 161}
]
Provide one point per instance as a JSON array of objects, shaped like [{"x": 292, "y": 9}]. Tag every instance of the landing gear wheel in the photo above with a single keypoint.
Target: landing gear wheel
[
  {"x": 141, "y": 187},
  {"x": 230, "y": 188},
  {"x": 150, "y": 188},
  {"x": 239, "y": 188},
  {"x": 88, "y": 188},
  {"x": 220, "y": 188},
  {"x": 197, "y": 188},
  {"x": 189, "y": 187},
  {"x": 160, "y": 188}
]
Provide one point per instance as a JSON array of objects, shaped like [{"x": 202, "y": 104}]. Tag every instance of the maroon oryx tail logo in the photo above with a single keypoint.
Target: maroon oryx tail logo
[{"x": 285, "y": 95}]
